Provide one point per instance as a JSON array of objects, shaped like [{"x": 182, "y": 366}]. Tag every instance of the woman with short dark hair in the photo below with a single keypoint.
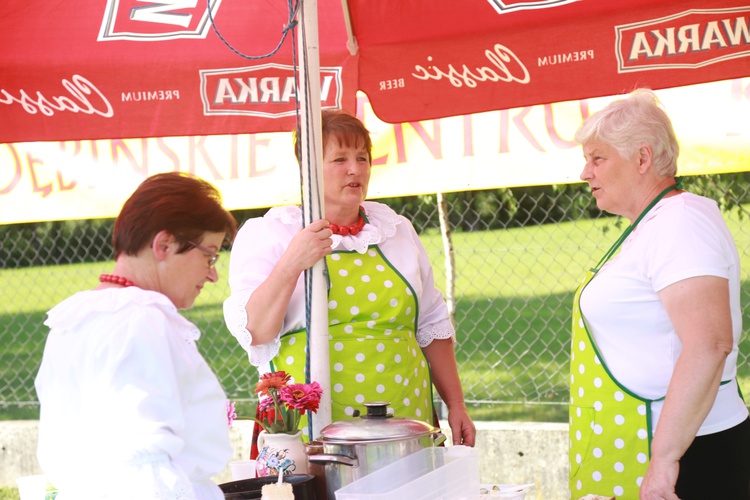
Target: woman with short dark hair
[
  {"x": 129, "y": 407},
  {"x": 391, "y": 336}
]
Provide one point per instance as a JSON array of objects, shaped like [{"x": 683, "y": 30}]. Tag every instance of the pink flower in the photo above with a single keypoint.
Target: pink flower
[
  {"x": 302, "y": 396},
  {"x": 231, "y": 414},
  {"x": 265, "y": 403}
]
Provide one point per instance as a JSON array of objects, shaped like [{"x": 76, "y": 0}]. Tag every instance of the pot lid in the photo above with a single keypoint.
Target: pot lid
[{"x": 376, "y": 425}]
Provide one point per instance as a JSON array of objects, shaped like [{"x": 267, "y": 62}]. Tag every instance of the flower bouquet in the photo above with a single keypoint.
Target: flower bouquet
[
  {"x": 280, "y": 409},
  {"x": 282, "y": 404}
]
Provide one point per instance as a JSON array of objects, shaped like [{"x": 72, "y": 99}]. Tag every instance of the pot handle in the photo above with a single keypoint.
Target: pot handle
[
  {"x": 439, "y": 438},
  {"x": 326, "y": 458}
]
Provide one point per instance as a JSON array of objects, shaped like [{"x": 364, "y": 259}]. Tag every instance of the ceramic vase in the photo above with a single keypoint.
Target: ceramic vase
[{"x": 280, "y": 453}]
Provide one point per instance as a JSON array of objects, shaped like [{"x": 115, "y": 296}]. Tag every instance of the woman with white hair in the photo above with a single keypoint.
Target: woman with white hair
[{"x": 656, "y": 411}]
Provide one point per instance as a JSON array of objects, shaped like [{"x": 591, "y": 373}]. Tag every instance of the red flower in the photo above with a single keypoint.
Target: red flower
[{"x": 274, "y": 380}]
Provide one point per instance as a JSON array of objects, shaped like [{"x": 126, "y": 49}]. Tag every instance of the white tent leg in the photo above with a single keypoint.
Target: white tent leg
[{"x": 312, "y": 199}]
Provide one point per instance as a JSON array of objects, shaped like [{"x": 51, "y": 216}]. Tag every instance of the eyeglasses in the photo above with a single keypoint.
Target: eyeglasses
[{"x": 214, "y": 255}]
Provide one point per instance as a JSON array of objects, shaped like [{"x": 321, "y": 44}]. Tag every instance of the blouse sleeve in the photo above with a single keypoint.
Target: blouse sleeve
[
  {"x": 690, "y": 242},
  {"x": 434, "y": 320},
  {"x": 256, "y": 250},
  {"x": 150, "y": 475}
]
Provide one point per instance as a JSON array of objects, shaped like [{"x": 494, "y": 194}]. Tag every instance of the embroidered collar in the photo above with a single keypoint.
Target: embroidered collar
[
  {"x": 380, "y": 224},
  {"x": 78, "y": 308}
]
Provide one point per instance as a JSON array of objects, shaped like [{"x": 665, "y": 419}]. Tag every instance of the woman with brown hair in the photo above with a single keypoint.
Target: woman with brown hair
[
  {"x": 129, "y": 407},
  {"x": 391, "y": 338}
]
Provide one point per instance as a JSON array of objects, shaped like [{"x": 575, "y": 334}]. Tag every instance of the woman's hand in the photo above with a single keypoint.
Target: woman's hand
[
  {"x": 307, "y": 247},
  {"x": 444, "y": 371},
  {"x": 660, "y": 479},
  {"x": 462, "y": 427}
]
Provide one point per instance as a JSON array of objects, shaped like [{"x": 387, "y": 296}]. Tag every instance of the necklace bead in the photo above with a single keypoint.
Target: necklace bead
[
  {"x": 350, "y": 230},
  {"x": 117, "y": 280}
]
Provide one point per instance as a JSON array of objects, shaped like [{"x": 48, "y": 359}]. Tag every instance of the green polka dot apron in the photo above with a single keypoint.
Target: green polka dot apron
[
  {"x": 374, "y": 354},
  {"x": 610, "y": 426}
]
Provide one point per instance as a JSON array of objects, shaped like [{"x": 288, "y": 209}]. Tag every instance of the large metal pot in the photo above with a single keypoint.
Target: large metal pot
[{"x": 354, "y": 448}]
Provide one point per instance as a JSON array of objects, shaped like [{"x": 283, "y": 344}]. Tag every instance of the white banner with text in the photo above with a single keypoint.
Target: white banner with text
[{"x": 509, "y": 148}]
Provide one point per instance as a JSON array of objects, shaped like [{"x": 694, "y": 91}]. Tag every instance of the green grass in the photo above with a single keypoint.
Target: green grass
[
  {"x": 514, "y": 293},
  {"x": 9, "y": 493}
]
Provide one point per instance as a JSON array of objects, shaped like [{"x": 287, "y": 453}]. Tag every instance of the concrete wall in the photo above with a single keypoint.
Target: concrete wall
[{"x": 509, "y": 453}]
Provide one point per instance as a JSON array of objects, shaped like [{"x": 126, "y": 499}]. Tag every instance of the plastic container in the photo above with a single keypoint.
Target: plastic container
[
  {"x": 447, "y": 473},
  {"x": 242, "y": 469},
  {"x": 503, "y": 491}
]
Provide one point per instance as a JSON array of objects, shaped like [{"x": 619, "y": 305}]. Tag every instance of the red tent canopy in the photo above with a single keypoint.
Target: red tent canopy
[{"x": 137, "y": 68}]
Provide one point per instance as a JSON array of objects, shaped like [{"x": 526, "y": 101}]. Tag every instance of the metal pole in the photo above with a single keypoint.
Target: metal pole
[{"x": 312, "y": 198}]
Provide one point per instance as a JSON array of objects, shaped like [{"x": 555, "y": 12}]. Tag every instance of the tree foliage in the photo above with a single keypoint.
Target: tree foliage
[{"x": 66, "y": 242}]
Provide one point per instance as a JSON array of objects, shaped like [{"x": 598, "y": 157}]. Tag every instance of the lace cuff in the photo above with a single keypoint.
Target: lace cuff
[
  {"x": 235, "y": 317},
  {"x": 441, "y": 330}
]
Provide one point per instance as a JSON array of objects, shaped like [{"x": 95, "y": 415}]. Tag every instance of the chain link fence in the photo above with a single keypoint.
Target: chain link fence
[{"x": 507, "y": 260}]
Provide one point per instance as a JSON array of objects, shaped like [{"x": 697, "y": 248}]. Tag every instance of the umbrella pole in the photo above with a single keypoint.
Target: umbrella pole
[{"x": 312, "y": 199}]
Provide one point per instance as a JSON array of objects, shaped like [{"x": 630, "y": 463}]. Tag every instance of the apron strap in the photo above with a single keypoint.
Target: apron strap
[{"x": 631, "y": 227}]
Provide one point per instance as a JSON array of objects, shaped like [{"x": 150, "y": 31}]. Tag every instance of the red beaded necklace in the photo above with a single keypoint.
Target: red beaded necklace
[
  {"x": 347, "y": 230},
  {"x": 117, "y": 280}
]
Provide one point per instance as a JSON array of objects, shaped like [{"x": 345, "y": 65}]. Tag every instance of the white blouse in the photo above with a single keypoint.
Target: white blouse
[
  {"x": 129, "y": 407},
  {"x": 681, "y": 237},
  {"x": 261, "y": 242}
]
